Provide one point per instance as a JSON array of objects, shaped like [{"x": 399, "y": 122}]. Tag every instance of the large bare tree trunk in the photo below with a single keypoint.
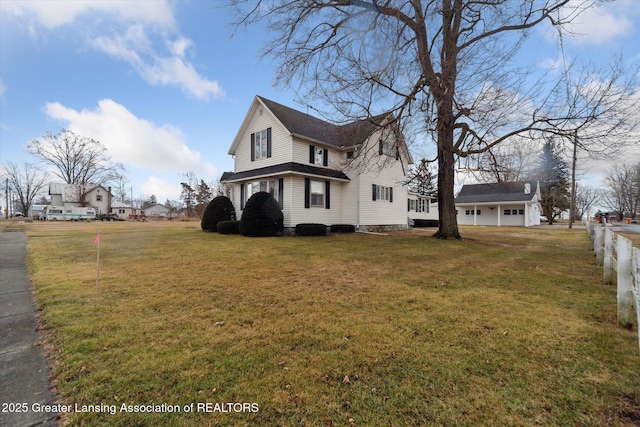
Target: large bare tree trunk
[{"x": 448, "y": 224}]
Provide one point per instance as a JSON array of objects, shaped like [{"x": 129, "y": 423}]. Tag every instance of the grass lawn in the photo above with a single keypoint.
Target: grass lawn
[{"x": 508, "y": 326}]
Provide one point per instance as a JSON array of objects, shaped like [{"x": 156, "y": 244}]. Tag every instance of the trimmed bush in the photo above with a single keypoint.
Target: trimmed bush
[
  {"x": 311, "y": 230},
  {"x": 425, "y": 223},
  {"x": 261, "y": 216},
  {"x": 219, "y": 209},
  {"x": 229, "y": 227},
  {"x": 343, "y": 228}
]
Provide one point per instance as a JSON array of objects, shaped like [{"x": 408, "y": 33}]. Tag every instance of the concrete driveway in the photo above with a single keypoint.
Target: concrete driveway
[{"x": 626, "y": 228}]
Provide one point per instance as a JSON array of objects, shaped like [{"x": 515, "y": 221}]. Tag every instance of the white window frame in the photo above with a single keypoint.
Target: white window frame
[
  {"x": 318, "y": 156},
  {"x": 271, "y": 186},
  {"x": 260, "y": 143},
  {"x": 316, "y": 196}
]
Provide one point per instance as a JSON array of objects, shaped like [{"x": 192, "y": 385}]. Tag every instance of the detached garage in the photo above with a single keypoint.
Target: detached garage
[{"x": 501, "y": 204}]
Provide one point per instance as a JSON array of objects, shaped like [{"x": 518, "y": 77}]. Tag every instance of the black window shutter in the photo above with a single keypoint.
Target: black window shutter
[
  {"x": 307, "y": 193},
  {"x": 280, "y": 193},
  {"x": 391, "y": 194},
  {"x": 380, "y": 147},
  {"x": 268, "y": 142},
  {"x": 408, "y": 205},
  {"x": 327, "y": 195},
  {"x": 312, "y": 154},
  {"x": 253, "y": 147},
  {"x": 397, "y": 153},
  {"x": 374, "y": 192},
  {"x": 242, "y": 195},
  {"x": 325, "y": 157}
]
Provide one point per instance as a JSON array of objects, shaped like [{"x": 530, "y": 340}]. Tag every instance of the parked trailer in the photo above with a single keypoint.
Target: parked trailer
[{"x": 60, "y": 213}]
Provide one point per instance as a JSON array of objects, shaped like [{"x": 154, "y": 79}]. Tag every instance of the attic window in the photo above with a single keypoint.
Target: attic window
[
  {"x": 527, "y": 188},
  {"x": 260, "y": 112}
]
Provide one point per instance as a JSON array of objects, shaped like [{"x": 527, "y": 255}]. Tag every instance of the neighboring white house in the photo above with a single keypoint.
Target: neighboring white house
[
  {"x": 501, "y": 204},
  {"x": 157, "y": 210},
  {"x": 320, "y": 172},
  {"x": 71, "y": 195},
  {"x": 124, "y": 210}
]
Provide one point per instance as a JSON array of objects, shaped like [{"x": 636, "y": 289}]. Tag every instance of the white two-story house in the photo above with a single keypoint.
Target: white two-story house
[{"x": 321, "y": 172}]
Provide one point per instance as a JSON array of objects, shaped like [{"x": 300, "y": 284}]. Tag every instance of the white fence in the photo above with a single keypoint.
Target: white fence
[{"x": 621, "y": 265}]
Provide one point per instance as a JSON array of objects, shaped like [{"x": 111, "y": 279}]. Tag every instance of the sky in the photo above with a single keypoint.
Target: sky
[{"x": 165, "y": 85}]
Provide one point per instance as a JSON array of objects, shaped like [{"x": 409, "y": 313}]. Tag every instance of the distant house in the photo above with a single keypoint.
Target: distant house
[
  {"x": 72, "y": 195},
  {"x": 124, "y": 210},
  {"x": 157, "y": 210},
  {"x": 320, "y": 172},
  {"x": 501, "y": 204}
]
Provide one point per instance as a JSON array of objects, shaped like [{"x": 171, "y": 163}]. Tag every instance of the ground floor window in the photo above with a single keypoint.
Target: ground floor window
[
  {"x": 380, "y": 192},
  {"x": 271, "y": 186},
  {"x": 317, "y": 193}
]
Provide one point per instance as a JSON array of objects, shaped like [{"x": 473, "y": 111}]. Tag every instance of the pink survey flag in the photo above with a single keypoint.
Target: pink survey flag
[{"x": 97, "y": 239}]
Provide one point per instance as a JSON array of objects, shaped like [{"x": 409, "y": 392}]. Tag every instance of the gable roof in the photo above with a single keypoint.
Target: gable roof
[
  {"x": 497, "y": 192},
  {"x": 308, "y": 127}
]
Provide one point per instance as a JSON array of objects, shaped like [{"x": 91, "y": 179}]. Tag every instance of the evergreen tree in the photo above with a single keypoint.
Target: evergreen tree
[
  {"x": 203, "y": 196},
  {"x": 553, "y": 174}
]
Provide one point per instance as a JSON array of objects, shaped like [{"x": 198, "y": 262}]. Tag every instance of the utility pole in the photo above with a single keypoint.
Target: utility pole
[
  {"x": 6, "y": 194},
  {"x": 572, "y": 206}
]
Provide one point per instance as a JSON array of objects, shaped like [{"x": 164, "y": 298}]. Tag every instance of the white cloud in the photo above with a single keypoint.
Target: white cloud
[
  {"x": 132, "y": 22},
  {"x": 161, "y": 188},
  {"x": 602, "y": 24},
  {"x": 136, "y": 48},
  {"x": 3, "y": 88},
  {"x": 52, "y": 14},
  {"x": 132, "y": 140}
]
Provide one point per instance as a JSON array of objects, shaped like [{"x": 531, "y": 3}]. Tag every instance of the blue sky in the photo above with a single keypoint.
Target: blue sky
[{"x": 165, "y": 86}]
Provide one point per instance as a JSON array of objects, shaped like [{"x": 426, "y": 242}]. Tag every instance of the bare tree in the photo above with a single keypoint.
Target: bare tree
[
  {"x": 26, "y": 183},
  {"x": 505, "y": 163},
  {"x": 586, "y": 198},
  {"x": 121, "y": 187},
  {"x": 601, "y": 114},
  {"x": 622, "y": 192},
  {"x": 444, "y": 67},
  {"x": 76, "y": 159}
]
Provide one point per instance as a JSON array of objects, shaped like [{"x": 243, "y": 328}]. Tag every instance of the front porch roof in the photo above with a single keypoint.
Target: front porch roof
[{"x": 284, "y": 168}]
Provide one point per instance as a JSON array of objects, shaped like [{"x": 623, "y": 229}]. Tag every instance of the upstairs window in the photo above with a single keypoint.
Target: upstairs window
[
  {"x": 318, "y": 156},
  {"x": 261, "y": 144},
  {"x": 388, "y": 149}
]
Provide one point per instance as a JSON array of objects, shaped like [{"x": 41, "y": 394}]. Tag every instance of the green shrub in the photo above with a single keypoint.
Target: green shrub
[
  {"x": 219, "y": 209},
  {"x": 343, "y": 228},
  {"x": 229, "y": 227},
  {"x": 425, "y": 223},
  {"x": 311, "y": 230},
  {"x": 261, "y": 216}
]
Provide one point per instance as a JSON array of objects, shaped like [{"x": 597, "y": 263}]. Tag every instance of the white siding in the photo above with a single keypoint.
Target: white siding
[
  {"x": 300, "y": 214},
  {"x": 281, "y": 151},
  {"x": 432, "y": 209},
  {"x": 336, "y": 158},
  {"x": 382, "y": 170},
  {"x": 489, "y": 216}
]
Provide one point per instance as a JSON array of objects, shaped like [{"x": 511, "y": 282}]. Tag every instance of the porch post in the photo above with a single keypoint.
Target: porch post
[{"x": 499, "y": 214}]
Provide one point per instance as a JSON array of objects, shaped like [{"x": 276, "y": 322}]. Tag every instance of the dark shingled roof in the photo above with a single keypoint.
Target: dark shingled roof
[
  {"x": 307, "y": 126},
  {"x": 497, "y": 192},
  {"x": 283, "y": 168}
]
